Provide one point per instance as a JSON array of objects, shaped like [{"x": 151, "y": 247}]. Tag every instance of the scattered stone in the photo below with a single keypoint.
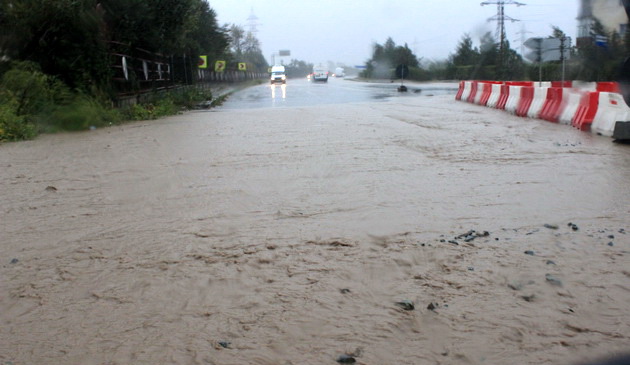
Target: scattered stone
[
  {"x": 344, "y": 291},
  {"x": 432, "y": 306},
  {"x": 573, "y": 226},
  {"x": 471, "y": 235},
  {"x": 553, "y": 280},
  {"x": 515, "y": 286},
  {"x": 550, "y": 262},
  {"x": 611, "y": 236},
  {"x": 496, "y": 238},
  {"x": 406, "y": 305},
  {"x": 470, "y": 268},
  {"x": 14, "y": 261},
  {"x": 346, "y": 359},
  {"x": 225, "y": 344},
  {"x": 529, "y": 298},
  {"x": 454, "y": 242},
  {"x": 51, "y": 188},
  {"x": 551, "y": 226},
  {"x": 423, "y": 245},
  {"x": 442, "y": 240},
  {"x": 529, "y": 252},
  {"x": 571, "y": 310},
  {"x": 622, "y": 231},
  {"x": 610, "y": 244}
]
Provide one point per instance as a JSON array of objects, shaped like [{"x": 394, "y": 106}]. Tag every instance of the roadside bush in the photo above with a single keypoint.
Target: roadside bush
[
  {"x": 27, "y": 87},
  {"x": 160, "y": 108},
  {"x": 82, "y": 113},
  {"x": 14, "y": 127}
]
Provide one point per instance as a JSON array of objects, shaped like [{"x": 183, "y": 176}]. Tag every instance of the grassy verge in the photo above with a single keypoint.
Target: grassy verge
[{"x": 32, "y": 103}]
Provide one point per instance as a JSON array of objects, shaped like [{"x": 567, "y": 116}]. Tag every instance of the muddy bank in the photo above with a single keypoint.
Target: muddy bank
[{"x": 288, "y": 237}]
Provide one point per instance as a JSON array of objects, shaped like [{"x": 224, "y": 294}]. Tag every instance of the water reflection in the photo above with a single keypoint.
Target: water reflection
[{"x": 283, "y": 87}]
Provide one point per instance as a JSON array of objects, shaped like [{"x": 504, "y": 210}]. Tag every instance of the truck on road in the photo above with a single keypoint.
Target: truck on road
[{"x": 278, "y": 75}]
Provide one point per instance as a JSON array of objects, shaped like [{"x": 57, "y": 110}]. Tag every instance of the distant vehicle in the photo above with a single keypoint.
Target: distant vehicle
[
  {"x": 340, "y": 72},
  {"x": 320, "y": 74},
  {"x": 278, "y": 75}
]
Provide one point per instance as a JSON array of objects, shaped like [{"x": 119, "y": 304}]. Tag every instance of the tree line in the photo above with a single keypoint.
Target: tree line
[
  {"x": 56, "y": 57},
  {"x": 599, "y": 60}
]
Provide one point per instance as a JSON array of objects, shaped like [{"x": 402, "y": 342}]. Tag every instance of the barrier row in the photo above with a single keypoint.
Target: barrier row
[{"x": 588, "y": 106}]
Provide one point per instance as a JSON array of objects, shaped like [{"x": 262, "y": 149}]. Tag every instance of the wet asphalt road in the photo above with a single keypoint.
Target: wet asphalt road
[{"x": 302, "y": 92}]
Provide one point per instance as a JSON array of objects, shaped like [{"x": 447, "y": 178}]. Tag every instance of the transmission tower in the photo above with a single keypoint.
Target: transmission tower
[
  {"x": 252, "y": 22},
  {"x": 500, "y": 18}
]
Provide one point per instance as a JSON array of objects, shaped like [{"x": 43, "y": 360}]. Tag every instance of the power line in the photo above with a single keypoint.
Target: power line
[{"x": 500, "y": 18}]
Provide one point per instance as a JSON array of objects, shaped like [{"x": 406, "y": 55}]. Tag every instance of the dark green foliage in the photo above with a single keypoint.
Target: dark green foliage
[
  {"x": 297, "y": 68},
  {"x": 14, "y": 127},
  {"x": 62, "y": 36},
  {"x": 385, "y": 59},
  {"x": 56, "y": 60}
]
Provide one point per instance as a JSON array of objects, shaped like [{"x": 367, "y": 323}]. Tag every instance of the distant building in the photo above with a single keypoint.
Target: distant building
[{"x": 612, "y": 14}]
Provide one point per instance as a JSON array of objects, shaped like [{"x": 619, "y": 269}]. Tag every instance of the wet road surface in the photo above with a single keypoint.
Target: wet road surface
[
  {"x": 286, "y": 235},
  {"x": 301, "y": 92}
]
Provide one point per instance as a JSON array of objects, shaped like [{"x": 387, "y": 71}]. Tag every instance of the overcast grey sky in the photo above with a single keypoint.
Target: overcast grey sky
[{"x": 344, "y": 30}]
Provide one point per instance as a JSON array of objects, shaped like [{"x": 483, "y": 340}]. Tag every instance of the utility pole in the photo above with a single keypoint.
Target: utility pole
[
  {"x": 522, "y": 33},
  {"x": 500, "y": 18}
]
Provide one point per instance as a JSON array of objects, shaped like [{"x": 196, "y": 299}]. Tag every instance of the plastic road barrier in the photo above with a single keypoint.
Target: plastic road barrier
[
  {"x": 611, "y": 108},
  {"x": 540, "y": 96},
  {"x": 495, "y": 93}
]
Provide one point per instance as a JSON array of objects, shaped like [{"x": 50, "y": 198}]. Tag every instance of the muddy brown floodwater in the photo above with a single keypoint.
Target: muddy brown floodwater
[{"x": 286, "y": 236}]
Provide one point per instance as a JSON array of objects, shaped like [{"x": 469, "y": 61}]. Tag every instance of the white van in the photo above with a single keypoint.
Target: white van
[
  {"x": 278, "y": 75},
  {"x": 320, "y": 73}
]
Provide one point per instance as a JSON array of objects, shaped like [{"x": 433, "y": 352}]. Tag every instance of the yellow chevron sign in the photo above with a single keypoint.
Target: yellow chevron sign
[
  {"x": 242, "y": 66},
  {"x": 203, "y": 62},
  {"x": 219, "y": 66}
]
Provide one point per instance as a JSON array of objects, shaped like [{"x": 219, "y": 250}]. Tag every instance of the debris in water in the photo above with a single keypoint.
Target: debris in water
[
  {"x": 529, "y": 252},
  {"x": 406, "y": 305},
  {"x": 344, "y": 291},
  {"x": 551, "y": 226},
  {"x": 610, "y": 244},
  {"x": 573, "y": 226},
  {"x": 51, "y": 188},
  {"x": 529, "y": 298},
  {"x": 432, "y": 306},
  {"x": 14, "y": 261},
  {"x": 553, "y": 280},
  {"x": 471, "y": 235},
  {"x": 550, "y": 262},
  {"x": 346, "y": 359},
  {"x": 225, "y": 344}
]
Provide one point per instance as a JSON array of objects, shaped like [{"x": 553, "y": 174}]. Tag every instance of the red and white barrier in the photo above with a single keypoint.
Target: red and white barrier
[
  {"x": 571, "y": 102},
  {"x": 611, "y": 108},
  {"x": 460, "y": 91},
  {"x": 513, "y": 99},
  {"x": 553, "y": 105},
  {"x": 466, "y": 91},
  {"x": 585, "y": 105},
  {"x": 540, "y": 96},
  {"x": 494, "y": 96},
  {"x": 527, "y": 96},
  {"x": 586, "y": 111}
]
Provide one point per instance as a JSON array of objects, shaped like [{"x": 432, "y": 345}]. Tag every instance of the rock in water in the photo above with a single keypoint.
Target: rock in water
[
  {"x": 406, "y": 305},
  {"x": 346, "y": 359}
]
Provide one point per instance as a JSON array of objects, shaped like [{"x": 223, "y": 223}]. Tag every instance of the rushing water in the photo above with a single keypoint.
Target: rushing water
[{"x": 287, "y": 235}]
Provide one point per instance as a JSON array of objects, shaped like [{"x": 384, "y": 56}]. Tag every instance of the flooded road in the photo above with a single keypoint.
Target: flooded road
[
  {"x": 301, "y": 92},
  {"x": 287, "y": 235}
]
